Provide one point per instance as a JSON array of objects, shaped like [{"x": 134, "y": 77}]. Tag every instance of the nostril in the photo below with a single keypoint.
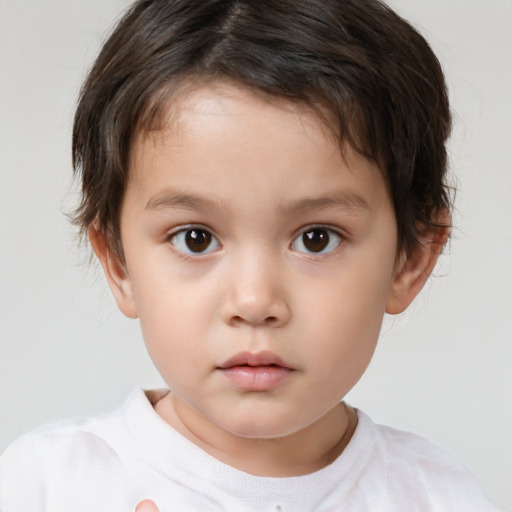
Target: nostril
[
  {"x": 239, "y": 311},
  {"x": 268, "y": 321}
]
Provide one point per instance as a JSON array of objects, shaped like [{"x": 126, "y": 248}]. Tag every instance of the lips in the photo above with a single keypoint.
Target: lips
[
  {"x": 254, "y": 359},
  {"x": 262, "y": 371}
]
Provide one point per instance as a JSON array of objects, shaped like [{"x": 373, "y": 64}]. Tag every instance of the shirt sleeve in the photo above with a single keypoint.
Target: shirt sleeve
[
  {"x": 63, "y": 470},
  {"x": 21, "y": 477}
]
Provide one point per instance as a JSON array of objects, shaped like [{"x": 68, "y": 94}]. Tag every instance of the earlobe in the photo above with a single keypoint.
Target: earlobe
[
  {"x": 115, "y": 272},
  {"x": 414, "y": 270}
]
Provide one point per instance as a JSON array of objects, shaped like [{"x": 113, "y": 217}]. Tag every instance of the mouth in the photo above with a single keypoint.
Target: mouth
[
  {"x": 262, "y": 371},
  {"x": 251, "y": 359}
]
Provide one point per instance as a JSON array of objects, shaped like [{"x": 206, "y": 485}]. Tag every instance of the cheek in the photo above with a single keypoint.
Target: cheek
[
  {"x": 350, "y": 300},
  {"x": 172, "y": 337},
  {"x": 174, "y": 319},
  {"x": 167, "y": 293},
  {"x": 343, "y": 316}
]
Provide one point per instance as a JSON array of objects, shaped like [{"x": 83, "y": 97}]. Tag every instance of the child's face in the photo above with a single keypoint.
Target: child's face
[{"x": 245, "y": 232}]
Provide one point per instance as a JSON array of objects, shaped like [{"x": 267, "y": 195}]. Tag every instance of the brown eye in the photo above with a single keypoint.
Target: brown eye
[
  {"x": 316, "y": 241},
  {"x": 198, "y": 240},
  {"x": 195, "y": 241}
]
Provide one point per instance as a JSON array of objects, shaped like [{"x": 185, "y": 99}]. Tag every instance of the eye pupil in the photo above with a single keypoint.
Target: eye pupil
[
  {"x": 198, "y": 240},
  {"x": 316, "y": 240}
]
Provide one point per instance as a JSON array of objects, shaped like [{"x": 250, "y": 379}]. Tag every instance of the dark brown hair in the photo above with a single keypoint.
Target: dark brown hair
[{"x": 368, "y": 72}]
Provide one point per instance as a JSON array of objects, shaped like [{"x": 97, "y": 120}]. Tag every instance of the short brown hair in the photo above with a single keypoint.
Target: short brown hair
[{"x": 374, "y": 75}]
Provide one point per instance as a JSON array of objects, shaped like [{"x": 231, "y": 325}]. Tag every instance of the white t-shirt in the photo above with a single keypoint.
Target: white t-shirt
[{"x": 111, "y": 463}]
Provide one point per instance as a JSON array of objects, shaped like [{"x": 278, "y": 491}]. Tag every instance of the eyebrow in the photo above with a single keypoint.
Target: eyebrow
[
  {"x": 345, "y": 200},
  {"x": 349, "y": 201},
  {"x": 182, "y": 201}
]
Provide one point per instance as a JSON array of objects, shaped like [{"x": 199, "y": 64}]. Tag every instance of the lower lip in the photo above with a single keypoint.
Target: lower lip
[{"x": 256, "y": 378}]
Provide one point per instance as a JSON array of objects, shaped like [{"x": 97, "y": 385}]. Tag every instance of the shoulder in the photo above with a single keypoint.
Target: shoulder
[
  {"x": 61, "y": 440},
  {"x": 410, "y": 464},
  {"x": 59, "y": 459},
  {"x": 103, "y": 436},
  {"x": 408, "y": 446}
]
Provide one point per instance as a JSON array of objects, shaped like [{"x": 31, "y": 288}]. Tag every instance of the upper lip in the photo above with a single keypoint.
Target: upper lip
[{"x": 265, "y": 358}]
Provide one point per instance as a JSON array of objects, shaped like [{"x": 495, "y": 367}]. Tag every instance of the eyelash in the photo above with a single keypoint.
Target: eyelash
[
  {"x": 333, "y": 238},
  {"x": 183, "y": 230}
]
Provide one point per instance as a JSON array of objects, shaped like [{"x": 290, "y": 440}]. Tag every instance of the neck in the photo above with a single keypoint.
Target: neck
[{"x": 299, "y": 453}]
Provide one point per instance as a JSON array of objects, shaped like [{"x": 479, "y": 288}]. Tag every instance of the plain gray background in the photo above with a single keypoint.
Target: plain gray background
[{"x": 443, "y": 369}]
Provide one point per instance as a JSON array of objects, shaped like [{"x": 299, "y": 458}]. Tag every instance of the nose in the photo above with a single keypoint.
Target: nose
[{"x": 256, "y": 294}]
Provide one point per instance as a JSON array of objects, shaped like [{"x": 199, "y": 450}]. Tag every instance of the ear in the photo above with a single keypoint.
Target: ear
[
  {"x": 115, "y": 272},
  {"x": 414, "y": 270}
]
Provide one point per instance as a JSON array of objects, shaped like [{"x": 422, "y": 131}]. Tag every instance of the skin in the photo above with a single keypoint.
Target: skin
[
  {"x": 146, "y": 506},
  {"x": 257, "y": 175}
]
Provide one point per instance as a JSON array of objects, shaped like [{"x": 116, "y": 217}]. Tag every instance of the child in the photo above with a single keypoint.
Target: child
[{"x": 261, "y": 182}]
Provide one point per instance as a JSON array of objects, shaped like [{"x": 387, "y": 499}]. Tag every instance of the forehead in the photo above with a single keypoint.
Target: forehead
[
  {"x": 223, "y": 132},
  {"x": 218, "y": 103}
]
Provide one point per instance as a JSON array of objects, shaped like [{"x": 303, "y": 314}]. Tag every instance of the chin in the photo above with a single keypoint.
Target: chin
[{"x": 261, "y": 428}]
